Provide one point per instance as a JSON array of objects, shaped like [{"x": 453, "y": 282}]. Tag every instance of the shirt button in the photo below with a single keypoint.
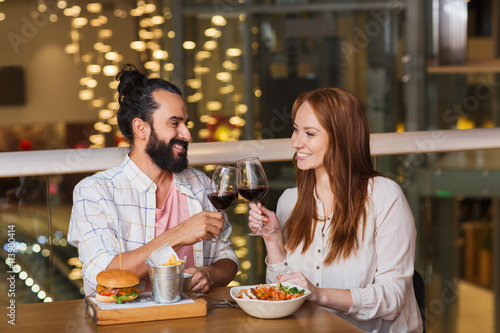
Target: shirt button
[
  {"x": 328, "y": 218},
  {"x": 319, "y": 251},
  {"x": 317, "y": 267},
  {"x": 322, "y": 235},
  {"x": 286, "y": 264},
  {"x": 317, "y": 284}
]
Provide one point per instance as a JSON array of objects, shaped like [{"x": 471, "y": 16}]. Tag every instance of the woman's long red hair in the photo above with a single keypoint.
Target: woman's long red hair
[{"x": 349, "y": 166}]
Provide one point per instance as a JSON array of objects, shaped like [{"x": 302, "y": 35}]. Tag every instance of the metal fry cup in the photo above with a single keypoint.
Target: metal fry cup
[{"x": 166, "y": 282}]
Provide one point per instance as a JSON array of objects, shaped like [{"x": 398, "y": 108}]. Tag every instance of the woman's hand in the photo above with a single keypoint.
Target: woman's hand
[
  {"x": 337, "y": 299},
  {"x": 261, "y": 215},
  {"x": 274, "y": 240},
  {"x": 300, "y": 280}
]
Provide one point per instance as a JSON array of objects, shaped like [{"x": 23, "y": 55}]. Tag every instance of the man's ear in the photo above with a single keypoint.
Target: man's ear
[{"x": 141, "y": 129}]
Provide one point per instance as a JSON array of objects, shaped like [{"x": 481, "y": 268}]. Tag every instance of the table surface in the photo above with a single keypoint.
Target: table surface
[{"x": 70, "y": 316}]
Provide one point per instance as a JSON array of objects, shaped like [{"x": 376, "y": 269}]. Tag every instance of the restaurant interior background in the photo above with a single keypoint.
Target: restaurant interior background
[{"x": 416, "y": 66}]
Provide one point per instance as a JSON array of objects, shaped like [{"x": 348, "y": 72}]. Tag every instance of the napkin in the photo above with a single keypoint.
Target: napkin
[{"x": 161, "y": 255}]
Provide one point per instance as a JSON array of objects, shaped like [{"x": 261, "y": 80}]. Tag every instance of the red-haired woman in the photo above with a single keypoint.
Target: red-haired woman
[{"x": 346, "y": 233}]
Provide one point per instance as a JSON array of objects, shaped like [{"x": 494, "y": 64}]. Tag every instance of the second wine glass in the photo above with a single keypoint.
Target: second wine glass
[
  {"x": 253, "y": 185},
  {"x": 223, "y": 191}
]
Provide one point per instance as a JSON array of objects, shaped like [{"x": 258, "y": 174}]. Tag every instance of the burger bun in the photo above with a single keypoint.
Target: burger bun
[{"x": 117, "y": 278}]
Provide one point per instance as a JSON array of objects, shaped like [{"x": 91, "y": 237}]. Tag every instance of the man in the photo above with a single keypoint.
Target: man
[{"x": 152, "y": 198}]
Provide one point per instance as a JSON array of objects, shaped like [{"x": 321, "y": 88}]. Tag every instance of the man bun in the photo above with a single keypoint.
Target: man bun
[
  {"x": 129, "y": 78},
  {"x": 130, "y": 91}
]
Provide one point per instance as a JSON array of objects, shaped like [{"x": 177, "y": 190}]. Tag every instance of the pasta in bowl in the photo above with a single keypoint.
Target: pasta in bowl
[{"x": 270, "y": 301}]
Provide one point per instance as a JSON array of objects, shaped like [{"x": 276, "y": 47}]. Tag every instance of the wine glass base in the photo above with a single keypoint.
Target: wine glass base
[{"x": 261, "y": 231}]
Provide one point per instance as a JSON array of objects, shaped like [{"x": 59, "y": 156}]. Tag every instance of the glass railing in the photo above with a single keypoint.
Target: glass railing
[{"x": 448, "y": 176}]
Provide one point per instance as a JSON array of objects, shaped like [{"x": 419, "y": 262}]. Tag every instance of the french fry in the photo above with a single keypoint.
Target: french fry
[{"x": 172, "y": 261}]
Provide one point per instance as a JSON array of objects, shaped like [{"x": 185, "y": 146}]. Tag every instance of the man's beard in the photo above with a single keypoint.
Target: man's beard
[{"x": 163, "y": 155}]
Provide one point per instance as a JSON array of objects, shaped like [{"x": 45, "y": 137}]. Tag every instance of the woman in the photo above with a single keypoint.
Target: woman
[{"x": 346, "y": 233}]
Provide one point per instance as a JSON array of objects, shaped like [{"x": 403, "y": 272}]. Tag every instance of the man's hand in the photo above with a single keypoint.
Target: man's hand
[
  {"x": 201, "y": 281},
  {"x": 202, "y": 226},
  {"x": 219, "y": 274}
]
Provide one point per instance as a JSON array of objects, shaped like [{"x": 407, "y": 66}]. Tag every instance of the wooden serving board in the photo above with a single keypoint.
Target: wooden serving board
[{"x": 131, "y": 314}]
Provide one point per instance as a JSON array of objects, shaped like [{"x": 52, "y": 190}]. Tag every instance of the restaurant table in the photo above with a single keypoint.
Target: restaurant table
[{"x": 70, "y": 316}]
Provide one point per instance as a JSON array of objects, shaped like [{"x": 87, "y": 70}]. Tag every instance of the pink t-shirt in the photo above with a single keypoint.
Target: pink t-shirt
[{"x": 175, "y": 211}]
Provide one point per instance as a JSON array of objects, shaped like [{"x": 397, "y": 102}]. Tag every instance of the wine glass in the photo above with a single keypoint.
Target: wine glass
[
  {"x": 223, "y": 190},
  {"x": 253, "y": 185}
]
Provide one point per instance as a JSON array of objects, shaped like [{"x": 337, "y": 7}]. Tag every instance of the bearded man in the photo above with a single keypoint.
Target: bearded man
[{"x": 152, "y": 198}]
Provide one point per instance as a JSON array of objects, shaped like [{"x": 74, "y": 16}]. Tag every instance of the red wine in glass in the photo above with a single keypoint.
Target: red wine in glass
[
  {"x": 223, "y": 189},
  {"x": 253, "y": 185},
  {"x": 223, "y": 200},
  {"x": 254, "y": 194}
]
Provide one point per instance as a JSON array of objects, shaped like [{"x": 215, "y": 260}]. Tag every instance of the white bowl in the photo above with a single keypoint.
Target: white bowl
[{"x": 269, "y": 309}]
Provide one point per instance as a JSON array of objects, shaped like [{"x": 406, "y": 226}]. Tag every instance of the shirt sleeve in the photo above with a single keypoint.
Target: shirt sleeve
[
  {"x": 273, "y": 270},
  {"x": 92, "y": 233},
  {"x": 223, "y": 248},
  {"x": 395, "y": 248},
  {"x": 286, "y": 202}
]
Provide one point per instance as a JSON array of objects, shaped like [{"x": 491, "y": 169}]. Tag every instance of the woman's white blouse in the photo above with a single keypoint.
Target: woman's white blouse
[{"x": 379, "y": 274}]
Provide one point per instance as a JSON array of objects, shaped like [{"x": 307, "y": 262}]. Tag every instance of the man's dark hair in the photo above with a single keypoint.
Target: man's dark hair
[{"x": 136, "y": 97}]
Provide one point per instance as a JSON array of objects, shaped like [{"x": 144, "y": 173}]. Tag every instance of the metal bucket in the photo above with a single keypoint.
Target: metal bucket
[{"x": 166, "y": 283}]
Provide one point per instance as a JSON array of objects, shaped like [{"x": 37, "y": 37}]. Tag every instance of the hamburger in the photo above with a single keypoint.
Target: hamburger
[{"x": 117, "y": 286}]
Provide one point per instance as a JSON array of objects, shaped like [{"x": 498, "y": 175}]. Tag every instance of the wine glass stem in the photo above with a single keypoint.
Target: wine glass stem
[{"x": 218, "y": 237}]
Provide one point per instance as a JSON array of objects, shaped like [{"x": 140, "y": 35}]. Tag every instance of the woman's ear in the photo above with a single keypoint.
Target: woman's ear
[{"x": 141, "y": 129}]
